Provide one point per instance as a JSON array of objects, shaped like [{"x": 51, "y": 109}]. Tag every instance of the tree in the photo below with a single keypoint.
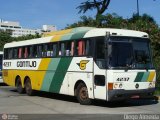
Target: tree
[
  {"x": 5, "y": 37},
  {"x": 99, "y": 5}
]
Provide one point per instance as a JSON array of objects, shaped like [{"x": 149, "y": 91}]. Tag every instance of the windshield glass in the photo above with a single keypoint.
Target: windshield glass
[{"x": 130, "y": 52}]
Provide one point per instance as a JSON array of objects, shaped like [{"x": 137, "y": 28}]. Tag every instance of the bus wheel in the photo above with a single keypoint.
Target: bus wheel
[
  {"x": 82, "y": 94},
  {"x": 28, "y": 87},
  {"x": 19, "y": 87}
]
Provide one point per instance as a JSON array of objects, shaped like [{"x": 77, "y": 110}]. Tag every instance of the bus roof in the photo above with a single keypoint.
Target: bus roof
[{"x": 78, "y": 33}]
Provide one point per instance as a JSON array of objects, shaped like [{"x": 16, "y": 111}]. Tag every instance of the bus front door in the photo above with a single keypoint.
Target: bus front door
[{"x": 99, "y": 84}]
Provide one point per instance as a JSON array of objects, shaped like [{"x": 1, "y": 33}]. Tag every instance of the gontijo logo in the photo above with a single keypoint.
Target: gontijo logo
[{"x": 82, "y": 64}]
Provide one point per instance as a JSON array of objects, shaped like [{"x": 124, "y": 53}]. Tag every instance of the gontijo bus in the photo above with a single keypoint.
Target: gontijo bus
[{"x": 89, "y": 63}]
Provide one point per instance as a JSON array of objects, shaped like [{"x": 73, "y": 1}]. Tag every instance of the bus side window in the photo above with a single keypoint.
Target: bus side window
[
  {"x": 100, "y": 53},
  {"x": 48, "y": 49},
  {"x": 68, "y": 48},
  {"x": 20, "y": 53},
  {"x": 35, "y": 55},
  {"x": 5, "y": 53},
  {"x": 26, "y": 52},
  {"x": 10, "y": 53},
  {"x": 30, "y": 51},
  {"x": 15, "y": 53},
  {"x": 54, "y": 50},
  {"x": 62, "y": 49},
  {"x": 87, "y": 49},
  {"x": 82, "y": 47},
  {"x": 39, "y": 50},
  {"x": 44, "y": 52},
  {"x": 72, "y": 48}
]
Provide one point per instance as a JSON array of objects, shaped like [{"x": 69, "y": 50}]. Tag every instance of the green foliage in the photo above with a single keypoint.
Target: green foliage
[
  {"x": 99, "y": 5},
  {"x": 5, "y": 37}
]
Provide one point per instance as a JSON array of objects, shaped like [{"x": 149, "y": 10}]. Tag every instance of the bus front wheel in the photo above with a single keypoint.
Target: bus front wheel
[
  {"x": 28, "y": 87},
  {"x": 82, "y": 94}
]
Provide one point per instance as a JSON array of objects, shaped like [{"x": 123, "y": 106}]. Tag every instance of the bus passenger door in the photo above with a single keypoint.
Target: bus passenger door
[{"x": 100, "y": 69}]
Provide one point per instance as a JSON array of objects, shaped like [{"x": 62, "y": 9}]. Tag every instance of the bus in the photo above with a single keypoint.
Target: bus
[
  {"x": 1, "y": 59},
  {"x": 86, "y": 62}
]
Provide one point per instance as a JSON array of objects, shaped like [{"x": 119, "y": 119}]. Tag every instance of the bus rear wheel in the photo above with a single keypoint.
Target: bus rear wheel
[
  {"x": 28, "y": 87},
  {"x": 19, "y": 87},
  {"x": 82, "y": 95}
]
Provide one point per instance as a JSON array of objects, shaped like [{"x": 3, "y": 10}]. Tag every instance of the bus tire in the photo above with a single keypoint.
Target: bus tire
[
  {"x": 82, "y": 94},
  {"x": 28, "y": 87},
  {"x": 19, "y": 87}
]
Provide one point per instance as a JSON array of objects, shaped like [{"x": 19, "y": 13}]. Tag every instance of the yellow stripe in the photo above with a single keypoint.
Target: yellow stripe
[
  {"x": 151, "y": 76},
  {"x": 62, "y": 32},
  {"x": 40, "y": 75}
]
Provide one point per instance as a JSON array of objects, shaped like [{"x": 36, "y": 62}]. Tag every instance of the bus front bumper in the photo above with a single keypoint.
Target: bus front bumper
[{"x": 117, "y": 95}]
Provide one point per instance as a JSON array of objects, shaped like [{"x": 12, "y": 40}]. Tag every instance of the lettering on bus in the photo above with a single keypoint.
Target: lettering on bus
[
  {"x": 7, "y": 64},
  {"x": 26, "y": 63}
]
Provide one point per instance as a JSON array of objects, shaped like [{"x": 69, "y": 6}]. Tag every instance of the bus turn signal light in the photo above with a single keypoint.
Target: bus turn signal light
[{"x": 110, "y": 86}]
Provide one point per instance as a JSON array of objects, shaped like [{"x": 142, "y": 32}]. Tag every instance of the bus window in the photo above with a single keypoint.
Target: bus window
[
  {"x": 15, "y": 53},
  {"x": 49, "y": 46},
  {"x": 35, "y": 53},
  {"x": 30, "y": 51},
  {"x": 54, "y": 50},
  {"x": 100, "y": 53},
  {"x": 72, "y": 48},
  {"x": 26, "y": 52},
  {"x": 20, "y": 53},
  {"x": 68, "y": 49},
  {"x": 44, "y": 50},
  {"x": 39, "y": 50},
  {"x": 10, "y": 53},
  {"x": 5, "y": 53},
  {"x": 62, "y": 49},
  {"x": 82, "y": 47}
]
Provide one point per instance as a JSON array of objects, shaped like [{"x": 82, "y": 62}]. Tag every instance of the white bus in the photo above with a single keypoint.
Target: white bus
[
  {"x": 1, "y": 61},
  {"x": 89, "y": 63}
]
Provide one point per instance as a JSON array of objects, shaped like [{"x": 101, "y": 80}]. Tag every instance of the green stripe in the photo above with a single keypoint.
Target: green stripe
[
  {"x": 59, "y": 75},
  {"x": 139, "y": 77},
  {"x": 66, "y": 37},
  {"x": 78, "y": 35},
  {"x": 50, "y": 73},
  {"x": 145, "y": 77}
]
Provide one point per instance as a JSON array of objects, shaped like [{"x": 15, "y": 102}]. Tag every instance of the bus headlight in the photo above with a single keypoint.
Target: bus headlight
[
  {"x": 118, "y": 85},
  {"x": 115, "y": 85}
]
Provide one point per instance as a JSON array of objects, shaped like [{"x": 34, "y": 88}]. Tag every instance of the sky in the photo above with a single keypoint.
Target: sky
[{"x": 35, "y": 13}]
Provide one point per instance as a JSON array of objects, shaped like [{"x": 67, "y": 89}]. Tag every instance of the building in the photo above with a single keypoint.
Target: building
[
  {"x": 18, "y": 31},
  {"x": 49, "y": 28}
]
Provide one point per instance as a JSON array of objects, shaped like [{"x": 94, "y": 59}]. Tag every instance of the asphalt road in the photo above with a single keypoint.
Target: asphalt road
[{"x": 48, "y": 103}]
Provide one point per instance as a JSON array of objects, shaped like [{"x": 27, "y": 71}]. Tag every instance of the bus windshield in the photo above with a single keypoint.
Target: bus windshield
[{"x": 130, "y": 52}]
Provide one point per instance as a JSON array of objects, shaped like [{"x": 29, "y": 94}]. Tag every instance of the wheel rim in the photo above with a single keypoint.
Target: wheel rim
[{"x": 83, "y": 93}]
